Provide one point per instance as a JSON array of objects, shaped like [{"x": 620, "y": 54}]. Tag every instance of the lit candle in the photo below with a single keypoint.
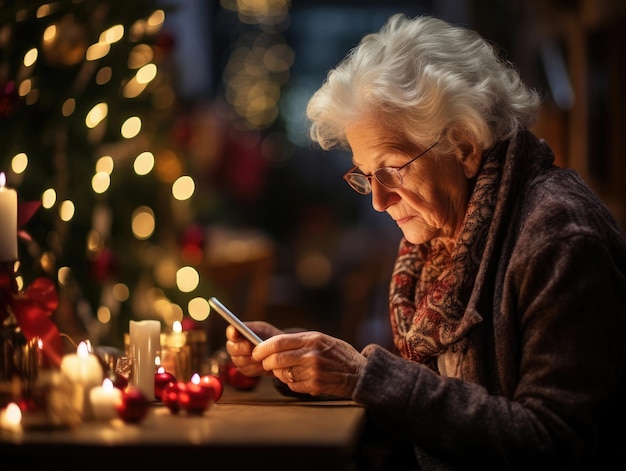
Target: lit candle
[
  {"x": 176, "y": 339},
  {"x": 11, "y": 417},
  {"x": 145, "y": 343},
  {"x": 105, "y": 400},
  {"x": 195, "y": 398},
  {"x": 161, "y": 379},
  {"x": 84, "y": 371},
  {"x": 8, "y": 216}
]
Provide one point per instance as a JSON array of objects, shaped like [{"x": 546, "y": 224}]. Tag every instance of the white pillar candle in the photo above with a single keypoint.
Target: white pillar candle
[
  {"x": 104, "y": 400},
  {"x": 8, "y": 216},
  {"x": 84, "y": 371},
  {"x": 145, "y": 344}
]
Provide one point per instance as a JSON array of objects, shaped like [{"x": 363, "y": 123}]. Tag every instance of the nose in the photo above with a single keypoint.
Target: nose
[{"x": 382, "y": 197}]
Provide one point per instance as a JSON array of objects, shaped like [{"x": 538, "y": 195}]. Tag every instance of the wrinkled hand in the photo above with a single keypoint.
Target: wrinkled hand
[
  {"x": 320, "y": 365},
  {"x": 240, "y": 349}
]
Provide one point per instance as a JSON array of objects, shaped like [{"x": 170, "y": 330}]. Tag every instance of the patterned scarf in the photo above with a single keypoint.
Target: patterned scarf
[{"x": 431, "y": 283}]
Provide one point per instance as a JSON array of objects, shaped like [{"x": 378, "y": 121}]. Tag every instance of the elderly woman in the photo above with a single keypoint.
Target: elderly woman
[{"x": 508, "y": 298}]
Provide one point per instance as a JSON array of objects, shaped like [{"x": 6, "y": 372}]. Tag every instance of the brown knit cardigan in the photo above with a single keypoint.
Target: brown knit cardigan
[{"x": 542, "y": 386}]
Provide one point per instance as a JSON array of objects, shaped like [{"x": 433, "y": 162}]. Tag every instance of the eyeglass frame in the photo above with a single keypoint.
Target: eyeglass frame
[{"x": 396, "y": 170}]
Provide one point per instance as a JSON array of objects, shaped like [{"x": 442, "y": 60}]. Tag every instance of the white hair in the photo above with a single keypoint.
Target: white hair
[{"x": 423, "y": 80}]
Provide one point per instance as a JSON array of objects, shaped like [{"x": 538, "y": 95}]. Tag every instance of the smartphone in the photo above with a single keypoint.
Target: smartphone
[{"x": 233, "y": 320}]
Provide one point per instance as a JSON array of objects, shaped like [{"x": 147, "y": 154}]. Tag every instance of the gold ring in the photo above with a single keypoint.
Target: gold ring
[{"x": 290, "y": 375}]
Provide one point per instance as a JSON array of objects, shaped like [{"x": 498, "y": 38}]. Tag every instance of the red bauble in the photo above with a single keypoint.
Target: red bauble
[
  {"x": 213, "y": 382},
  {"x": 161, "y": 379},
  {"x": 169, "y": 397},
  {"x": 134, "y": 406},
  {"x": 194, "y": 399},
  {"x": 240, "y": 381}
]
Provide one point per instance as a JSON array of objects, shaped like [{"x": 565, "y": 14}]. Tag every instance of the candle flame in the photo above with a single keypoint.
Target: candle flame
[
  {"x": 157, "y": 360},
  {"x": 82, "y": 350},
  {"x": 177, "y": 326},
  {"x": 195, "y": 379},
  {"x": 107, "y": 384},
  {"x": 3, "y": 180}
]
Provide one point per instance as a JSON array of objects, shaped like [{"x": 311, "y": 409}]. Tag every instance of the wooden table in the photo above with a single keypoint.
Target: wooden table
[{"x": 260, "y": 429}]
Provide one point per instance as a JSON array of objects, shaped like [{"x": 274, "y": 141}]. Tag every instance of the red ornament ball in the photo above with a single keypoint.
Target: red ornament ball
[
  {"x": 134, "y": 406},
  {"x": 169, "y": 396},
  {"x": 194, "y": 399},
  {"x": 240, "y": 381},
  {"x": 161, "y": 379},
  {"x": 214, "y": 383}
]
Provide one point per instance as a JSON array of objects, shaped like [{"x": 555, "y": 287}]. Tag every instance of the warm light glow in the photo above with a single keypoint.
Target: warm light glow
[
  {"x": 97, "y": 51},
  {"x": 25, "y": 87},
  {"x": 144, "y": 163},
  {"x": 64, "y": 276},
  {"x": 195, "y": 378},
  {"x": 187, "y": 279},
  {"x": 68, "y": 107},
  {"x": 165, "y": 273},
  {"x": 3, "y": 180},
  {"x": 19, "y": 162},
  {"x": 11, "y": 416},
  {"x": 104, "y": 75},
  {"x": 120, "y": 292},
  {"x": 96, "y": 115},
  {"x": 157, "y": 18},
  {"x": 82, "y": 350},
  {"x": 147, "y": 73},
  {"x": 30, "y": 57},
  {"x": 198, "y": 309},
  {"x": 142, "y": 222},
  {"x": 66, "y": 210},
  {"x": 49, "y": 33},
  {"x": 112, "y": 35},
  {"x": 48, "y": 198},
  {"x": 104, "y": 315},
  {"x": 139, "y": 56},
  {"x": 133, "y": 88},
  {"x": 105, "y": 164},
  {"x": 177, "y": 326},
  {"x": 131, "y": 127},
  {"x": 100, "y": 182},
  {"x": 107, "y": 384},
  {"x": 183, "y": 188},
  {"x": 314, "y": 269}
]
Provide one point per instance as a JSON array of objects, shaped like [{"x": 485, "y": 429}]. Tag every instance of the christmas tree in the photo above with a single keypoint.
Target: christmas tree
[{"x": 86, "y": 102}]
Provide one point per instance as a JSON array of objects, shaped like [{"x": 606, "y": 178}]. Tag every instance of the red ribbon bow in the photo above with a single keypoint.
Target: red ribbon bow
[{"x": 32, "y": 310}]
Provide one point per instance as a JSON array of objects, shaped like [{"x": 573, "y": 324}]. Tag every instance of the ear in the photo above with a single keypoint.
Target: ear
[{"x": 469, "y": 156}]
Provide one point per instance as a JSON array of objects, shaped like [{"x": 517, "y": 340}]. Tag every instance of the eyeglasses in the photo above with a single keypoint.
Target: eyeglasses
[{"x": 389, "y": 177}]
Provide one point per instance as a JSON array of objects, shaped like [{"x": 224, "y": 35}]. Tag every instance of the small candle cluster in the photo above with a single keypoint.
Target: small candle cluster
[{"x": 195, "y": 396}]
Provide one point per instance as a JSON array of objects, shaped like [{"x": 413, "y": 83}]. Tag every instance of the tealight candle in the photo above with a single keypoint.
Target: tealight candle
[
  {"x": 8, "y": 216},
  {"x": 105, "y": 400},
  {"x": 195, "y": 398},
  {"x": 84, "y": 371}
]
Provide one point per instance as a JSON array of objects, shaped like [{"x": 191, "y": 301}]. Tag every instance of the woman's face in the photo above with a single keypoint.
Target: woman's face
[{"x": 432, "y": 199}]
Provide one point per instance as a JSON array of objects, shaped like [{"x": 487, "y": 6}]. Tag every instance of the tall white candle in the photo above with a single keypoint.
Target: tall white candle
[
  {"x": 145, "y": 345},
  {"x": 8, "y": 216}
]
